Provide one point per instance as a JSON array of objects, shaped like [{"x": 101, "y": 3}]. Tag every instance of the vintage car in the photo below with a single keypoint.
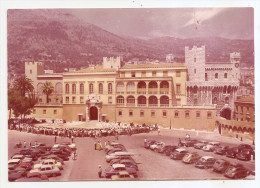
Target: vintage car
[
  {"x": 18, "y": 157},
  {"x": 13, "y": 163},
  {"x": 47, "y": 170},
  {"x": 232, "y": 152},
  {"x": 190, "y": 143},
  {"x": 27, "y": 159},
  {"x": 221, "y": 150},
  {"x": 236, "y": 171},
  {"x": 220, "y": 165},
  {"x": 168, "y": 149},
  {"x": 148, "y": 143},
  {"x": 113, "y": 150},
  {"x": 127, "y": 162},
  {"x": 156, "y": 146},
  {"x": 52, "y": 162},
  {"x": 14, "y": 175},
  {"x": 116, "y": 168},
  {"x": 122, "y": 176},
  {"x": 26, "y": 165},
  {"x": 71, "y": 145},
  {"x": 244, "y": 155},
  {"x": 245, "y": 146},
  {"x": 178, "y": 154},
  {"x": 209, "y": 148},
  {"x": 199, "y": 145},
  {"x": 214, "y": 143},
  {"x": 190, "y": 158},
  {"x": 118, "y": 155},
  {"x": 205, "y": 162}
]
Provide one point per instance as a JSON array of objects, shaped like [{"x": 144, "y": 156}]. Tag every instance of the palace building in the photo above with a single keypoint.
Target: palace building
[
  {"x": 212, "y": 82},
  {"x": 180, "y": 95}
]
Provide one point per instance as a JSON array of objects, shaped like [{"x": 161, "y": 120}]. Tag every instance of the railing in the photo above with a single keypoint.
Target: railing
[
  {"x": 121, "y": 92},
  {"x": 130, "y": 104},
  {"x": 153, "y": 105},
  {"x": 164, "y": 105},
  {"x": 164, "y": 92},
  {"x": 141, "y": 105},
  {"x": 48, "y": 104},
  {"x": 120, "y": 104},
  {"x": 152, "y": 92},
  {"x": 130, "y": 92},
  {"x": 141, "y": 92}
]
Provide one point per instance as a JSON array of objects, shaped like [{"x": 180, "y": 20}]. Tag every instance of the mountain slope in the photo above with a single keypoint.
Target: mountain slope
[{"x": 63, "y": 40}]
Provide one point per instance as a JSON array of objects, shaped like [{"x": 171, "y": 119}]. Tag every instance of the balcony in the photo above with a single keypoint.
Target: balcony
[
  {"x": 130, "y": 104},
  {"x": 164, "y": 105},
  {"x": 141, "y": 91},
  {"x": 152, "y": 91},
  {"x": 48, "y": 104},
  {"x": 141, "y": 105},
  {"x": 153, "y": 105}
]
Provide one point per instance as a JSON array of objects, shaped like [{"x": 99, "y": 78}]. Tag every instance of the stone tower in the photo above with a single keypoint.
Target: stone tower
[
  {"x": 195, "y": 62},
  {"x": 112, "y": 63},
  {"x": 235, "y": 60},
  {"x": 32, "y": 70}
]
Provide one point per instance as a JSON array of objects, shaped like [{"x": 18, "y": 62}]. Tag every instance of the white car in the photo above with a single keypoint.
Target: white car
[
  {"x": 208, "y": 148},
  {"x": 156, "y": 146},
  {"x": 48, "y": 170},
  {"x": 118, "y": 155}
]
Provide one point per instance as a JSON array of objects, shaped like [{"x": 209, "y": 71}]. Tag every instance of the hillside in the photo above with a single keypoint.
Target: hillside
[{"x": 63, "y": 40}]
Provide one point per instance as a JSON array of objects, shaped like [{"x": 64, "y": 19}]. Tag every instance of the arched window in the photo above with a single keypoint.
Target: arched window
[
  {"x": 120, "y": 100},
  {"x": 152, "y": 84},
  {"x": 39, "y": 88},
  {"x": 130, "y": 99},
  {"x": 141, "y": 84},
  {"x": 110, "y": 90},
  {"x": 141, "y": 100},
  {"x": 91, "y": 88},
  {"x": 164, "y": 100},
  {"x": 226, "y": 100},
  {"x": 100, "y": 88},
  {"x": 216, "y": 75},
  {"x": 81, "y": 88},
  {"x": 153, "y": 100},
  {"x": 120, "y": 87},
  {"x": 164, "y": 84},
  {"x": 225, "y": 75},
  {"x": 130, "y": 87},
  {"x": 67, "y": 88},
  {"x": 215, "y": 100},
  {"x": 73, "y": 88},
  {"x": 58, "y": 88}
]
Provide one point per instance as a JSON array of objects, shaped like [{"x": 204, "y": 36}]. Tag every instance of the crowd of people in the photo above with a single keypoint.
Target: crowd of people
[{"x": 104, "y": 129}]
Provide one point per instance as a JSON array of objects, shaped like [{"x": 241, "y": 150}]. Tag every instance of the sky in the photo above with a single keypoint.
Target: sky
[{"x": 232, "y": 23}]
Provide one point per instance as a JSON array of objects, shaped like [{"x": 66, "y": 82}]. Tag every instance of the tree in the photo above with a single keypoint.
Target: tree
[
  {"x": 20, "y": 105},
  {"x": 47, "y": 89},
  {"x": 24, "y": 85}
]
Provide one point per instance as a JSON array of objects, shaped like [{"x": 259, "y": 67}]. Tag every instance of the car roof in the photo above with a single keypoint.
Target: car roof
[
  {"x": 207, "y": 157},
  {"x": 14, "y": 160},
  {"x": 118, "y": 165},
  {"x": 122, "y": 153},
  {"x": 181, "y": 149},
  {"x": 44, "y": 166},
  {"x": 17, "y": 155}
]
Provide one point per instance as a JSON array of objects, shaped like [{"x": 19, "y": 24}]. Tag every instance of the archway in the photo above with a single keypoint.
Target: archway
[
  {"x": 93, "y": 113},
  {"x": 226, "y": 113}
]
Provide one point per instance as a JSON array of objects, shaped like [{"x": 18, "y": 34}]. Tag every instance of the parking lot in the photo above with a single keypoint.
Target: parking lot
[{"x": 151, "y": 165}]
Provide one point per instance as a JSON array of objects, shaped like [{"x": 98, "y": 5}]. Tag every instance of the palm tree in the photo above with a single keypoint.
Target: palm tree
[
  {"x": 47, "y": 89},
  {"x": 24, "y": 85}
]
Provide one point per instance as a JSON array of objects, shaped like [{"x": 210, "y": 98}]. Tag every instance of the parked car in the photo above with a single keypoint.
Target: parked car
[
  {"x": 116, "y": 160},
  {"x": 113, "y": 150},
  {"x": 208, "y": 148},
  {"x": 190, "y": 143},
  {"x": 48, "y": 170},
  {"x": 52, "y": 162},
  {"x": 178, "y": 154},
  {"x": 214, "y": 143},
  {"x": 221, "y": 150},
  {"x": 205, "y": 162},
  {"x": 244, "y": 155},
  {"x": 26, "y": 151},
  {"x": 118, "y": 155},
  {"x": 13, "y": 163},
  {"x": 26, "y": 165},
  {"x": 71, "y": 145},
  {"x": 169, "y": 149},
  {"x": 122, "y": 175},
  {"x": 14, "y": 175},
  {"x": 17, "y": 156},
  {"x": 128, "y": 163},
  {"x": 190, "y": 158},
  {"x": 199, "y": 145},
  {"x": 245, "y": 146},
  {"x": 220, "y": 165},
  {"x": 236, "y": 171},
  {"x": 155, "y": 147},
  {"x": 232, "y": 152},
  {"x": 116, "y": 168},
  {"x": 148, "y": 143}
]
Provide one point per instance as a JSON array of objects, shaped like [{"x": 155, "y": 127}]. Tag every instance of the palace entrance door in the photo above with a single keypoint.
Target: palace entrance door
[{"x": 93, "y": 113}]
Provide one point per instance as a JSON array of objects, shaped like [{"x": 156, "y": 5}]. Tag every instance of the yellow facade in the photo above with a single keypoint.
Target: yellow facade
[{"x": 146, "y": 93}]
